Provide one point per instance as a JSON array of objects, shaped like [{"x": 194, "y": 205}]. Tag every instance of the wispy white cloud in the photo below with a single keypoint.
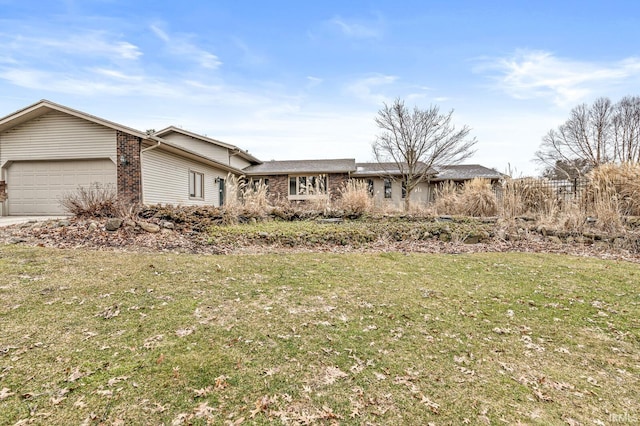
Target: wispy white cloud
[
  {"x": 87, "y": 83},
  {"x": 182, "y": 45},
  {"x": 368, "y": 88},
  {"x": 86, "y": 44},
  {"x": 360, "y": 29},
  {"x": 540, "y": 74},
  {"x": 313, "y": 81}
]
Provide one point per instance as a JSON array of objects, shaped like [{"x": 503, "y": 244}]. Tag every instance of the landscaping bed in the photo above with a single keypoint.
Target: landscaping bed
[{"x": 209, "y": 230}]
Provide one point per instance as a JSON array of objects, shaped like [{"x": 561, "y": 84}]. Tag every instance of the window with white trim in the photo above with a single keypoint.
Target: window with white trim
[
  {"x": 196, "y": 185},
  {"x": 307, "y": 186}
]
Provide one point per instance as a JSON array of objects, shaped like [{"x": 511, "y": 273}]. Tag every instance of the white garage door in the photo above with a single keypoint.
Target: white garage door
[{"x": 36, "y": 187}]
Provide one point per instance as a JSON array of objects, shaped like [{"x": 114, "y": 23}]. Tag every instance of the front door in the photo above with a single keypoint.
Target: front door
[{"x": 221, "y": 191}]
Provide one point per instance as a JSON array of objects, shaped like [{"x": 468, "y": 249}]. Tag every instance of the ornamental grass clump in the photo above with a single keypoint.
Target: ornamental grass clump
[
  {"x": 477, "y": 199},
  {"x": 355, "y": 198},
  {"x": 527, "y": 196}
]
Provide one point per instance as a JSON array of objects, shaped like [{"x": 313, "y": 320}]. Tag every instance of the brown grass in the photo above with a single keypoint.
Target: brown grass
[
  {"x": 478, "y": 199},
  {"x": 355, "y": 199},
  {"x": 527, "y": 196},
  {"x": 316, "y": 338}
]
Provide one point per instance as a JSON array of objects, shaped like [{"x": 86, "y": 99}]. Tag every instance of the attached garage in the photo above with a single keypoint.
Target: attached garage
[{"x": 36, "y": 187}]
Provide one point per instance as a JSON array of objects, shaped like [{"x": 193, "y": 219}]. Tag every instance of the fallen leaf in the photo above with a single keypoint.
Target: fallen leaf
[{"x": 5, "y": 393}]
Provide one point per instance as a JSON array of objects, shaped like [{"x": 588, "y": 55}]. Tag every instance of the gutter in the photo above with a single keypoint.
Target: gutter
[{"x": 149, "y": 148}]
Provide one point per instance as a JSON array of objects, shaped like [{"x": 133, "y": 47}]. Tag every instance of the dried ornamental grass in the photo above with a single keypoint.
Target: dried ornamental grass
[
  {"x": 477, "y": 199},
  {"x": 447, "y": 198},
  {"x": 355, "y": 198},
  {"x": 527, "y": 196},
  {"x": 615, "y": 186}
]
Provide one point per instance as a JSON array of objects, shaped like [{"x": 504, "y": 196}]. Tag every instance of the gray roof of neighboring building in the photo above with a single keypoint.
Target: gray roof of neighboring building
[
  {"x": 466, "y": 172},
  {"x": 344, "y": 165},
  {"x": 378, "y": 169}
]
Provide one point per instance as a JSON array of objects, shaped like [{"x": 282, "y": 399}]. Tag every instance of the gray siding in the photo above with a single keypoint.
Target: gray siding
[
  {"x": 165, "y": 179},
  {"x": 57, "y": 136}
]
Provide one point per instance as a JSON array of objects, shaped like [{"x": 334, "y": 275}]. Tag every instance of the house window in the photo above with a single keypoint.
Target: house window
[
  {"x": 387, "y": 188},
  {"x": 258, "y": 184},
  {"x": 301, "y": 187},
  {"x": 370, "y": 186},
  {"x": 196, "y": 185}
]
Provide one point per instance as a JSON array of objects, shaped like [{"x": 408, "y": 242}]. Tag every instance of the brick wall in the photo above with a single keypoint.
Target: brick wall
[
  {"x": 279, "y": 185},
  {"x": 3, "y": 190},
  {"x": 336, "y": 182},
  {"x": 129, "y": 171}
]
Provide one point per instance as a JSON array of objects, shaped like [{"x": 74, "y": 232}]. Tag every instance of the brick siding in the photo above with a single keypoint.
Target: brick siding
[
  {"x": 129, "y": 171},
  {"x": 279, "y": 185}
]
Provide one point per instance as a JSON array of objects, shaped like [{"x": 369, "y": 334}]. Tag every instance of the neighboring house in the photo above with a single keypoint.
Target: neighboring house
[
  {"x": 300, "y": 180},
  {"x": 465, "y": 172},
  {"x": 461, "y": 173},
  {"x": 48, "y": 150},
  {"x": 385, "y": 184}
]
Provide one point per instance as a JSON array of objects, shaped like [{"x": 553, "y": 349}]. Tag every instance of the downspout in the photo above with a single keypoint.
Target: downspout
[{"x": 149, "y": 148}]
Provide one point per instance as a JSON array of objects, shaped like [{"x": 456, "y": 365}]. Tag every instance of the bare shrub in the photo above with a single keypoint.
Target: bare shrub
[
  {"x": 477, "y": 199},
  {"x": 93, "y": 200},
  {"x": 355, "y": 199}
]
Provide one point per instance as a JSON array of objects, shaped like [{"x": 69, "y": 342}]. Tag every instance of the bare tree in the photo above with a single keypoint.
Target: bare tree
[
  {"x": 597, "y": 134},
  {"x": 415, "y": 141},
  {"x": 585, "y": 135},
  {"x": 626, "y": 130},
  {"x": 567, "y": 170}
]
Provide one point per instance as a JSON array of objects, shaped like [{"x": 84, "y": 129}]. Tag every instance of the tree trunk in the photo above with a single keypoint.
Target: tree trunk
[{"x": 407, "y": 201}]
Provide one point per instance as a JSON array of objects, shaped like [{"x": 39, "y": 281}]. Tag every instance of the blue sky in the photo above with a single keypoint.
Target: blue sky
[{"x": 303, "y": 80}]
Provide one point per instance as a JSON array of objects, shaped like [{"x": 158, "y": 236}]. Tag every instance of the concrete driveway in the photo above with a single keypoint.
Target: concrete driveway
[{"x": 15, "y": 220}]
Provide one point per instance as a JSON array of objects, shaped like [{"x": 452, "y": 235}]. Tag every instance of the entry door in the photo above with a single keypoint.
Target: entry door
[{"x": 221, "y": 185}]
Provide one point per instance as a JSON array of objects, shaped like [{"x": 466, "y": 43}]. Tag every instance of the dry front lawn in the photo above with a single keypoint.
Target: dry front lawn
[{"x": 91, "y": 337}]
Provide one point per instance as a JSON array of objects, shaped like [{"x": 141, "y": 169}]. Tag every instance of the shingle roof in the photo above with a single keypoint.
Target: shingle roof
[
  {"x": 466, "y": 172},
  {"x": 377, "y": 169},
  {"x": 345, "y": 165}
]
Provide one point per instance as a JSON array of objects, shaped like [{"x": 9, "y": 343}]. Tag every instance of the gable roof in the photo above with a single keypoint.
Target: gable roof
[
  {"x": 235, "y": 150},
  {"x": 187, "y": 153},
  {"x": 385, "y": 169},
  {"x": 466, "y": 172},
  {"x": 44, "y": 106},
  {"x": 344, "y": 165}
]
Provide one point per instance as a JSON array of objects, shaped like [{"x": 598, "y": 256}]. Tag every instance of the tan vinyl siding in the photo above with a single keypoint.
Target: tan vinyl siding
[
  {"x": 239, "y": 163},
  {"x": 165, "y": 179},
  {"x": 36, "y": 187},
  {"x": 419, "y": 195},
  {"x": 206, "y": 149},
  {"x": 57, "y": 136}
]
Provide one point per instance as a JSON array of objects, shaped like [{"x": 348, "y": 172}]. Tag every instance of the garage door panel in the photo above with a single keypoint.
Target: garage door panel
[{"x": 36, "y": 187}]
